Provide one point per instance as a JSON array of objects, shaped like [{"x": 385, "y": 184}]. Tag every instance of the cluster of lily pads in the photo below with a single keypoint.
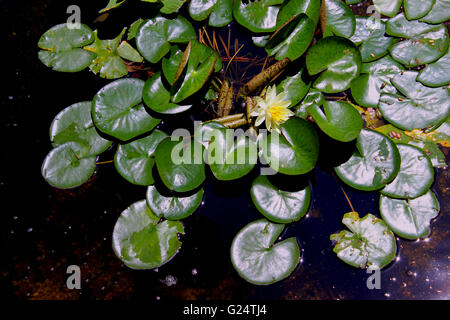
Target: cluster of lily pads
[{"x": 396, "y": 69}]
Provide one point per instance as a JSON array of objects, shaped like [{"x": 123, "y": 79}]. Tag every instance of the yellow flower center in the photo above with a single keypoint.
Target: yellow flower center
[{"x": 279, "y": 113}]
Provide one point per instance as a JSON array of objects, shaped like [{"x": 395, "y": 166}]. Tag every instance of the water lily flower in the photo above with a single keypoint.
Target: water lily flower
[{"x": 274, "y": 109}]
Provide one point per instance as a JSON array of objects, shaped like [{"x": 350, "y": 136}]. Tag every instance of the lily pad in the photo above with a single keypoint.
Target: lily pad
[
  {"x": 337, "y": 60},
  {"x": 295, "y": 86},
  {"x": 257, "y": 16},
  {"x": 169, "y": 6},
  {"x": 157, "y": 97},
  {"x": 415, "y": 9},
  {"x": 436, "y": 74},
  {"x": 171, "y": 63},
  {"x": 257, "y": 258},
  {"x": 339, "y": 120},
  {"x": 340, "y": 20},
  {"x": 291, "y": 8},
  {"x": 180, "y": 164},
  {"x": 387, "y": 7},
  {"x": 173, "y": 207},
  {"x": 134, "y": 160},
  {"x": 155, "y": 36},
  {"x": 415, "y": 176},
  {"x": 62, "y": 48},
  {"x": 68, "y": 166},
  {"x": 126, "y": 51},
  {"x": 370, "y": 38},
  {"x": 369, "y": 244},
  {"x": 410, "y": 219},
  {"x": 117, "y": 110},
  {"x": 297, "y": 149},
  {"x": 420, "y": 107},
  {"x": 142, "y": 241},
  {"x": 314, "y": 97},
  {"x": 75, "y": 124},
  {"x": 374, "y": 80},
  {"x": 277, "y": 205},
  {"x": 375, "y": 163},
  {"x": 203, "y": 133},
  {"x": 218, "y": 11},
  {"x": 440, "y": 12}
]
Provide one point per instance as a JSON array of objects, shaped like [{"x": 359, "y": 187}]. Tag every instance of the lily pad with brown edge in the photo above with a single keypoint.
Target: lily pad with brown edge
[
  {"x": 117, "y": 110},
  {"x": 410, "y": 219},
  {"x": 135, "y": 160},
  {"x": 256, "y": 256},
  {"x": 338, "y": 18},
  {"x": 68, "y": 165},
  {"x": 62, "y": 48},
  {"x": 336, "y": 61},
  {"x": 173, "y": 206},
  {"x": 277, "y": 205},
  {"x": 257, "y": 16},
  {"x": 142, "y": 241},
  {"x": 171, "y": 63},
  {"x": 74, "y": 123},
  {"x": 293, "y": 152},
  {"x": 415, "y": 177},
  {"x": 375, "y": 163},
  {"x": 418, "y": 106},
  {"x": 436, "y": 74},
  {"x": 369, "y": 243},
  {"x": 375, "y": 79},
  {"x": 339, "y": 120}
]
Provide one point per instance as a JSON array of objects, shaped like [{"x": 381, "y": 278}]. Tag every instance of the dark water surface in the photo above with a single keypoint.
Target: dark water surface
[{"x": 44, "y": 230}]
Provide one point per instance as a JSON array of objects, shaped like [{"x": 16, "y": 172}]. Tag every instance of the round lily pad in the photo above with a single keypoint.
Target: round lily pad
[
  {"x": 340, "y": 20},
  {"x": 410, "y": 219},
  {"x": 117, "y": 110},
  {"x": 142, "y": 241},
  {"x": 134, "y": 160},
  {"x": 339, "y": 120},
  {"x": 337, "y": 60},
  {"x": 291, "y": 8},
  {"x": 440, "y": 12},
  {"x": 75, "y": 124},
  {"x": 421, "y": 107},
  {"x": 173, "y": 207},
  {"x": 62, "y": 48},
  {"x": 387, "y": 7},
  {"x": 157, "y": 97},
  {"x": 257, "y": 258},
  {"x": 295, "y": 151},
  {"x": 180, "y": 164},
  {"x": 68, "y": 166},
  {"x": 369, "y": 244},
  {"x": 375, "y": 163},
  {"x": 436, "y": 74},
  {"x": 415, "y": 9},
  {"x": 415, "y": 176},
  {"x": 257, "y": 16},
  {"x": 277, "y": 205}
]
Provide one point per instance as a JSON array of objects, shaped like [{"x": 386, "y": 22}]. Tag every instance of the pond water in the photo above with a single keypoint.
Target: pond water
[{"x": 44, "y": 230}]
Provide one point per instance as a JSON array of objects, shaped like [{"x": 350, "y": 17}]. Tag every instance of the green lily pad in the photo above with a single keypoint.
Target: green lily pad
[
  {"x": 257, "y": 16},
  {"x": 108, "y": 62},
  {"x": 180, "y": 164},
  {"x": 134, "y": 28},
  {"x": 112, "y": 4},
  {"x": 296, "y": 41},
  {"x": 420, "y": 107},
  {"x": 292, "y": 8},
  {"x": 117, "y": 110},
  {"x": 134, "y": 160},
  {"x": 340, "y": 20},
  {"x": 339, "y": 120},
  {"x": 295, "y": 86},
  {"x": 230, "y": 159},
  {"x": 169, "y": 6},
  {"x": 155, "y": 36},
  {"x": 75, "y": 124},
  {"x": 374, "y": 80},
  {"x": 415, "y": 176},
  {"x": 68, "y": 166},
  {"x": 401, "y": 27},
  {"x": 277, "y": 205},
  {"x": 369, "y": 244},
  {"x": 173, "y": 207},
  {"x": 314, "y": 97},
  {"x": 387, "y": 7},
  {"x": 375, "y": 163},
  {"x": 415, "y": 9},
  {"x": 337, "y": 60},
  {"x": 157, "y": 97},
  {"x": 257, "y": 258},
  {"x": 142, "y": 241},
  {"x": 440, "y": 12},
  {"x": 220, "y": 12},
  {"x": 410, "y": 219},
  {"x": 370, "y": 38},
  {"x": 297, "y": 149},
  {"x": 62, "y": 48},
  {"x": 203, "y": 133},
  {"x": 126, "y": 51},
  {"x": 436, "y": 74}
]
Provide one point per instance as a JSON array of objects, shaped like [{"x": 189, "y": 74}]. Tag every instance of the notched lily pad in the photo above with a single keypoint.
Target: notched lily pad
[
  {"x": 338, "y": 18},
  {"x": 440, "y": 12},
  {"x": 142, "y": 241},
  {"x": 296, "y": 87},
  {"x": 257, "y": 16},
  {"x": 256, "y": 256},
  {"x": 291, "y": 8},
  {"x": 369, "y": 243},
  {"x": 218, "y": 11},
  {"x": 436, "y": 74}
]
